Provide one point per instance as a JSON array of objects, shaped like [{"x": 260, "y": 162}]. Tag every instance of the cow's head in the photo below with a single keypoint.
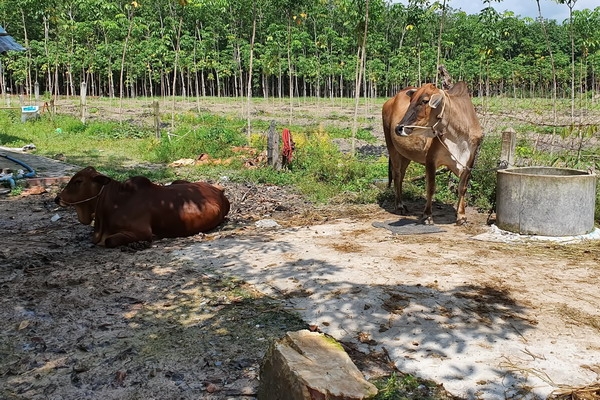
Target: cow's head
[
  {"x": 82, "y": 191},
  {"x": 423, "y": 113}
]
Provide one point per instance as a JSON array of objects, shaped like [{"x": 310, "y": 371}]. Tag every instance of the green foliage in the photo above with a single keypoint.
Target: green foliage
[
  {"x": 162, "y": 174},
  {"x": 346, "y": 133},
  {"x": 109, "y": 130},
  {"x": 97, "y": 143},
  {"x": 314, "y": 43},
  {"x": 407, "y": 387},
  {"x": 201, "y": 135},
  {"x": 68, "y": 125},
  {"x": 597, "y": 208},
  {"x": 319, "y": 170},
  {"x": 524, "y": 150},
  {"x": 17, "y": 190},
  {"x": 482, "y": 188},
  {"x": 325, "y": 173},
  {"x": 268, "y": 175}
]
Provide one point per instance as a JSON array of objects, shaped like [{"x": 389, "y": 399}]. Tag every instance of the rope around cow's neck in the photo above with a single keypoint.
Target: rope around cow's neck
[
  {"x": 86, "y": 200},
  {"x": 439, "y": 117},
  {"x": 438, "y": 135}
]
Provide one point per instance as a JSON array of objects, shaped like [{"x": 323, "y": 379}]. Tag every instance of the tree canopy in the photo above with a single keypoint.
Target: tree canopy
[{"x": 304, "y": 48}]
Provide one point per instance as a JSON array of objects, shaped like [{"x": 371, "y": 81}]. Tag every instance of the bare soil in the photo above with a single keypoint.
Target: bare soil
[
  {"x": 191, "y": 318},
  {"x": 80, "y": 321}
]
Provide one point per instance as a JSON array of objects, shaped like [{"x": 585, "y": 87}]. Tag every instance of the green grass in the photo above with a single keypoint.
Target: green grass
[
  {"x": 408, "y": 387},
  {"x": 319, "y": 170}
]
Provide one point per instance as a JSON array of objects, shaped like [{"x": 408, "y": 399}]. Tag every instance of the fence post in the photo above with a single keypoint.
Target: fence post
[
  {"x": 83, "y": 94},
  {"x": 273, "y": 147},
  {"x": 507, "y": 157},
  {"x": 156, "y": 108}
]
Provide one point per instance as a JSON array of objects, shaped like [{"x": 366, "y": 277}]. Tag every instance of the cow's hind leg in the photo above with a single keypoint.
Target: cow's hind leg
[
  {"x": 126, "y": 237},
  {"x": 430, "y": 169},
  {"x": 461, "y": 216}
]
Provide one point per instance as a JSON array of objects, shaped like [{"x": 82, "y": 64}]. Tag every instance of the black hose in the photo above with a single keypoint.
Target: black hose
[{"x": 21, "y": 163}]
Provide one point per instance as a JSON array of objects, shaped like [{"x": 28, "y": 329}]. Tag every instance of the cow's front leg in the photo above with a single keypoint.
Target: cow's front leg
[
  {"x": 126, "y": 237},
  {"x": 397, "y": 171},
  {"x": 399, "y": 174},
  {"x": 430, "y": 168}
]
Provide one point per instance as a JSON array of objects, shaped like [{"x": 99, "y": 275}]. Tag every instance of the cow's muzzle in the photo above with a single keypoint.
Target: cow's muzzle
[
  {"x": 402, "y": 130},
  {"x": 59, "y": 201}
]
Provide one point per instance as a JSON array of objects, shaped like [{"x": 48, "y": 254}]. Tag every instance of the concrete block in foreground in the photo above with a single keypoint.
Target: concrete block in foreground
[{"x": 306, "y": 365}]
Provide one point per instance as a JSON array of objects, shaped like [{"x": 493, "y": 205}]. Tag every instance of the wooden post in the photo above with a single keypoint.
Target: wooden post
[
  {"x": 83, "y": 95},
  {"x": 273, "y": 147},
  {"x": 509, "y": 140},
  {"x": 156, "y": 108},
  {"x": 36, "y": 90},
  {"x": 446, "y": 78}
]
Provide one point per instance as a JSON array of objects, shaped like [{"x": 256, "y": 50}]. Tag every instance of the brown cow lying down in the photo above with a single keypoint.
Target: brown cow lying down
[{"x": 137, "y": 209}]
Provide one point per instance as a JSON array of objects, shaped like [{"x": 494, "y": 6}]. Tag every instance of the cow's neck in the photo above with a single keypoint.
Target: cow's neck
[
  {"x": 86, "y": 209},
  {"x": 458, "y": 130},
  {"x": 94, "y": 208},
  {"x": 457, "y": 123}
]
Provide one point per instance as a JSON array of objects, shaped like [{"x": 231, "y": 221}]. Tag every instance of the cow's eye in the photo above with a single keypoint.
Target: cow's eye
[{"x": 424, "y": 101}]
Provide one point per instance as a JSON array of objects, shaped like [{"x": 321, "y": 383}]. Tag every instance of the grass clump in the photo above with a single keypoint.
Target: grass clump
[
  {"x": 187, "y": 142},
  {"x": 408, "y": 387}
]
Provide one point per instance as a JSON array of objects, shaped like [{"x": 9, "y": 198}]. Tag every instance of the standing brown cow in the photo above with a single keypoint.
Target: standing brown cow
[
  {"x": 433, "y": 127},
  {"x": 137, "y": 209}
]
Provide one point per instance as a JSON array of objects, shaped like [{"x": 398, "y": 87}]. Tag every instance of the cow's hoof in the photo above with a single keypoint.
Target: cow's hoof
[
  {"x": 402, "y": 209},
  {"x": 427, "y": 220},
  {"x": 462, "y": 221}
]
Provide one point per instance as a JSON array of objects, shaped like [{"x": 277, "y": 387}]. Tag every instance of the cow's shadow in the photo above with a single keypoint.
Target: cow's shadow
[
  {"x": 411, "y": 222},
  {"x": 443, "y": 214}
]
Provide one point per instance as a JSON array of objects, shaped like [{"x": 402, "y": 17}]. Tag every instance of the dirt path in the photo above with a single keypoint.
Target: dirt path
[{"x": 488, "y": 320}]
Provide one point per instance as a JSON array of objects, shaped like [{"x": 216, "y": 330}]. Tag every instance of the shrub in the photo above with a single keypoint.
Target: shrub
[{"x": 482, "y": 188}]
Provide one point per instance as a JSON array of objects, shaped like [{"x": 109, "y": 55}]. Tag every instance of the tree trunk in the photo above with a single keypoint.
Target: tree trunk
[
  {"x": 289, "y": 58},
  {"x": 47, "y": 51},
  {"x": 249, "y": 93},
  {"x": 28, "y": 82},
  {"x": 176, "y": 62},
  {"x": 359, "y": 74},
  {"x": 439, "y": 44},
  {"x": 121, "y": 82}
]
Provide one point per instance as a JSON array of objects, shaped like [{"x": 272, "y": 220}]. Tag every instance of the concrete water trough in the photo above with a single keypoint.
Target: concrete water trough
[{"x": 545, "y": 201}]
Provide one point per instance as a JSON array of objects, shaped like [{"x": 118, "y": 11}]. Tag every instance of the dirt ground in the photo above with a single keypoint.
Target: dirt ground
[
  {"x": 81, "y": 321},
  {"x": 191, "y": 318}
]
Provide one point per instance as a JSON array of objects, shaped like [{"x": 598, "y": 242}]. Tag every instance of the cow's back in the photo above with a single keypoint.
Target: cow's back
[{"x": 185, "y": 208}]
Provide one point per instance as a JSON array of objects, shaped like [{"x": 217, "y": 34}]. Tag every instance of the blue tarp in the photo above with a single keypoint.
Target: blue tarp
[{"x": 7, "y": 43}]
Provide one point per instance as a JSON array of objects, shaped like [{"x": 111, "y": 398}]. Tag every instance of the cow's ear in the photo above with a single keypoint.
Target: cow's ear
[
  {"x": 101, "y": 179},
  {"x": 436, "y": 99},
  {"x": 410, "y": 92}
]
